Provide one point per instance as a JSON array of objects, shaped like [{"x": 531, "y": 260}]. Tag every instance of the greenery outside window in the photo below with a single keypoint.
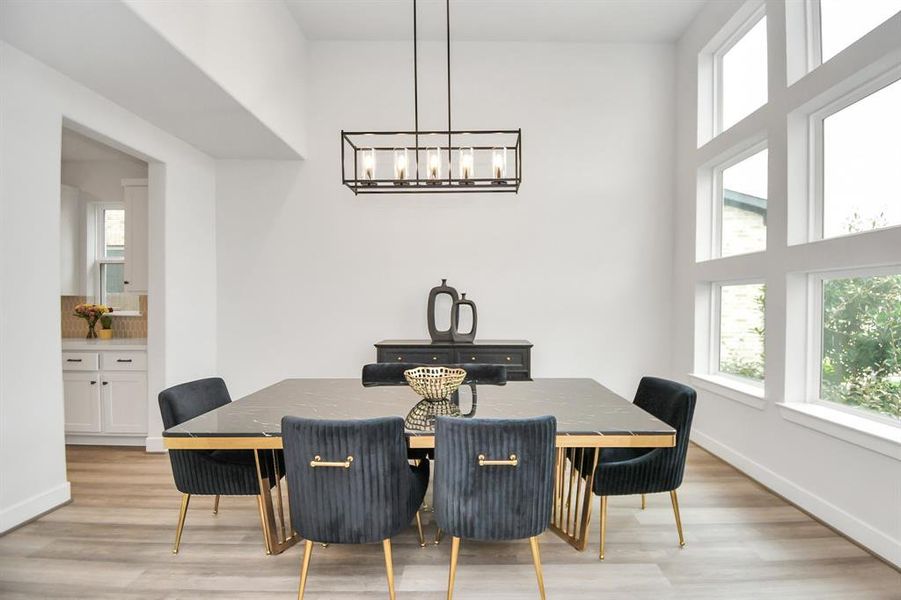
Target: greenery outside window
[
  {"x": 738, "y": 348},
  {"x": 858, "y": 342}
]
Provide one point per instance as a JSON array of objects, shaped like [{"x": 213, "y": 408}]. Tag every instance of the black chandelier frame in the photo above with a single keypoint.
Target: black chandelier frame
[{"x": 507, "y": 141}]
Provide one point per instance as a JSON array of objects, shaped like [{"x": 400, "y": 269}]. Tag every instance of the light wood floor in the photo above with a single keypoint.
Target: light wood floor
[{"x": 114, "y": 541}]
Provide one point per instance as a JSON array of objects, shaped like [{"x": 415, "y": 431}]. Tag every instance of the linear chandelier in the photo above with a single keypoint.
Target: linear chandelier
[{"x": 392, "y": 162}]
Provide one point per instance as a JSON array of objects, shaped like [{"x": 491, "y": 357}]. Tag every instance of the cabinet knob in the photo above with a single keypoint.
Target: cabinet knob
[
  {"x": 508, "y": 358},
  {"x": 400, "y": 358},
  {"x": 93, "y": 383},
  {"x": 105, "y": 383},
  {"x": 434, "y": 358},
  {"x": 472, "y": 358},
  {"x": 125, "y": 282}
]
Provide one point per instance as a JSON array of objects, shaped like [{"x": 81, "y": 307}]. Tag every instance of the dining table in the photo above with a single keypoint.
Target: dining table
[{"x": 589, "y": 417}]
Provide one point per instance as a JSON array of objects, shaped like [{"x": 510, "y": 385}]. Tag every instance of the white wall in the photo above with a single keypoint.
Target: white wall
[
  {"x": 101, "y": 180},
  {"x": 36, "y": 99},
  {"x": 254, "y": 50},
  {"x": 310, "y": 276},
  {"x": 853, "y": 488}
]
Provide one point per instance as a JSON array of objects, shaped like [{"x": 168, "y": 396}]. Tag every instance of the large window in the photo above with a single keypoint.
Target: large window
[
  {"x": 742, "y": 74},
  {"x": 859, "y": 359},
  {"x": 742, "y": 206},
  {"x": 843, "y": 22},
  {"x": 861, "y": 164},
  {"x": 740, "y": 331}
]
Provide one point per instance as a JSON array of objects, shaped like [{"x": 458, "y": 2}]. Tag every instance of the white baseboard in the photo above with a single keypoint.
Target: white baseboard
[
  {"x": 154, "y": 443},
  {"x": 28, "y": 509},
  {"x": 88, "y": 439},
  {"x": 867, "y": 536}
]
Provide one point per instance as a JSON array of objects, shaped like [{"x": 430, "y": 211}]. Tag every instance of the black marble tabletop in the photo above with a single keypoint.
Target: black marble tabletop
[{"x": 582, "y": 407}]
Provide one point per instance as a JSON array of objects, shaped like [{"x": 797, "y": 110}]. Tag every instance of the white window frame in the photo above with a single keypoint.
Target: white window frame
[
  {"x": 96, "y": 243},
  {"x": 733, "y": 38},
  {"x": 815, "y": 338},
  {"x": 816, "y": 152},
  {"x": 716, "y": 199},
  {"x": 714, "y": 343}
]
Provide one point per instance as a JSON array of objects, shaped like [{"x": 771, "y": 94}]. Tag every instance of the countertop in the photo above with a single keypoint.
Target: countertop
[{"x": 113, "y": 344}]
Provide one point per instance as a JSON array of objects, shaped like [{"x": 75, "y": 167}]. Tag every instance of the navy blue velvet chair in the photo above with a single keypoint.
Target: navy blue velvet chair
[
  {"x": 349, "y": 482},
  {"x": 627, "y": 471},
  {"x": 210, "y": 472},
  {"x": 494, "y": 481}
]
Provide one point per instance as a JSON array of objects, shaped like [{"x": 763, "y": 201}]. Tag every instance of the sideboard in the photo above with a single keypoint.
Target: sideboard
[{"x": 516, "y": 355}]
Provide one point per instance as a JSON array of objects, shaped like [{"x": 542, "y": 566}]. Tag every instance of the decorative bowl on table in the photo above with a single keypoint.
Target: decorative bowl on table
[{"x": 434, "y": 385}]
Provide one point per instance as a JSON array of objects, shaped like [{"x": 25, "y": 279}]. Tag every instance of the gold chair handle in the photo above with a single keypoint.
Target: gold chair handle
[
  {"x": 484, "y": 462},
  {"x": 318, "y": 462}
]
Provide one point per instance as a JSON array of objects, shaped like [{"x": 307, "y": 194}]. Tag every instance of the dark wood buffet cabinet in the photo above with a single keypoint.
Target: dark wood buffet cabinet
[{"x": 516, "y": 355}]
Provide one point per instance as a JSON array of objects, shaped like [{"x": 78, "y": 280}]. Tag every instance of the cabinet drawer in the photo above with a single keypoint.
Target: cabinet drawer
[
  {"x": 80, "y": 361},
  {"x": 418, "y": 355},
  {"x": 123, "y": 361},
  {"x": 509, "y": 358}
]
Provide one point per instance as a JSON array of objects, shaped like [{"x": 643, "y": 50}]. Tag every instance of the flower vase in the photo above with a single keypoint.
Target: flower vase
[{"x": 91, "y": 332}]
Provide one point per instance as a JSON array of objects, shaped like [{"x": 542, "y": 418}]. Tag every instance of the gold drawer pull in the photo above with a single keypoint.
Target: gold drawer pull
[
  {"x": 472, "y": 358},
  {"x": 318, "y": 462},
  {"x": 508, "y": 358},
  {"x": 400, "y": 358},
  {"x": 484, "y": 462}
]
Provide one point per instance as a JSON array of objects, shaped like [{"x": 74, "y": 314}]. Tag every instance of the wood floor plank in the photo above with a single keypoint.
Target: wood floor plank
[{"x": 114, "y": 542}]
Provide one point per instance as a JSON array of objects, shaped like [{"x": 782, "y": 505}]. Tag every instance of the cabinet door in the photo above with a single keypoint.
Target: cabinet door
[
  {"x": 136, "y": 244},
  {"x": 81, "y": 397},
  {"x": 124, "y": 402}
]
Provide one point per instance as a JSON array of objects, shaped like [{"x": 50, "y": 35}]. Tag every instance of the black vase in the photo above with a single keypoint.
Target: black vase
[
  {"x": 436, "y": 334},
  {"x": 456, "y": 334}
]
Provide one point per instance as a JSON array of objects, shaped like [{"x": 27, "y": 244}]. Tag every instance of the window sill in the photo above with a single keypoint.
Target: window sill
[
  {"x": 878, "y": 437},
  {"x": 126, "y": 313},
  {"x": 733, "y": 389}
]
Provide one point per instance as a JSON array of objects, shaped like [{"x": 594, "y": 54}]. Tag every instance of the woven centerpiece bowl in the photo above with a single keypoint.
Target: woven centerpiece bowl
[{"x": 435, "y": 385}]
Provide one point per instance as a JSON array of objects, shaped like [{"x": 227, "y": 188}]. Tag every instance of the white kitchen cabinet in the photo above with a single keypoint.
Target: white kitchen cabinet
[
  {"x": 105, "y": 392},
  {"x": 123, "y": 396},
  {"x": 81, "y": 391},
  {"x": 134, "y": 193}
]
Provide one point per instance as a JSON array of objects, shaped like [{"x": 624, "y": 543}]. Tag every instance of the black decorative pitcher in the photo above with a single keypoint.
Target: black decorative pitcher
[
  {"x": 436, "y": 334},
  {"x": 456, "y": 334}
]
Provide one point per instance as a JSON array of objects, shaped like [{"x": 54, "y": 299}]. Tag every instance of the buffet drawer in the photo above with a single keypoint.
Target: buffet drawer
[
  {"x": 509, "y": 358},
  {"x": 80, "y": 361},
  {"x": 419, "y": 356}
]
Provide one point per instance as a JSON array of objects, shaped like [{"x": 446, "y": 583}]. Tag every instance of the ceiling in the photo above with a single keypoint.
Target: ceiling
[
  {"x": 80, "y": 147},
  {"x": 109, "y": 49},
  {"x": 498, "y": 20}
]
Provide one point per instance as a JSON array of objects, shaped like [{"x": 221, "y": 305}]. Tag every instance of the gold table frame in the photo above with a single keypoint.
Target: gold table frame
[{"x": 571, "y": 512}]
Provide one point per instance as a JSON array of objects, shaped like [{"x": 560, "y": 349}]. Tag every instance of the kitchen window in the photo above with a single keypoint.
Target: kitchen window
[{"x": 109, "y": 259}]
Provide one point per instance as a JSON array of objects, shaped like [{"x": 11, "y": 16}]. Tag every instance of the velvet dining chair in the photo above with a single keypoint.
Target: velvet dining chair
[
  {"x": 493, "y": 481},
  {"x": 628, "y": 471},
  {"x": 349, "y": 482},
  {"x": 212, "y": 472}
]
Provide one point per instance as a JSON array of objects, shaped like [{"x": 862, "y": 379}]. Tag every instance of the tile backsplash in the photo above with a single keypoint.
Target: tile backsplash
[{"x": 123, "y": 327}]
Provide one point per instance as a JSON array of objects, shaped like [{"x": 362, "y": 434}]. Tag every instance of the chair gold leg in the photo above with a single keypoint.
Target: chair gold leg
[
  {"x": 644, "y": 502},
  {"x": 216, "y": 505},
  {"x": 185, "y": 499},
  {"x": 603, "y": 525},
  {"x": 675, "y": 500},
  {"x": 438, "y": 534},
  {"x": 455, "y": 553},
  {"x": 419, "y": 529},
  {"x": 305, "y": 567},
  {"x": 389, "y": 567},
  {"x": 536, "y": 558}
]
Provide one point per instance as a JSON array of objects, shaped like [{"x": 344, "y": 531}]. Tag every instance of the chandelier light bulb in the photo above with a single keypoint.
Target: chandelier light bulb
[
  {"x": 499, "y": 163},
  {"x": 369, "y": 164},
  {"x": 466, "y": 166},
  {"x": 400, "y": 165}
]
